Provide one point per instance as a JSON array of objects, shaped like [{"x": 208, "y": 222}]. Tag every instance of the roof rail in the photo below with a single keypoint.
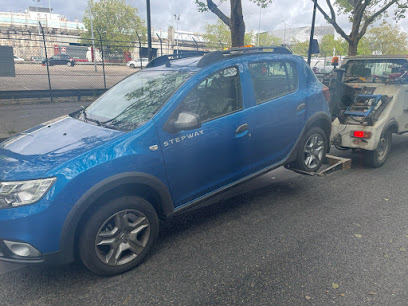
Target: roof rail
[
  {"x": 216, "y": 56},
  {"x": 165, "y": 59},
  {"x": 275, "y": 49}
]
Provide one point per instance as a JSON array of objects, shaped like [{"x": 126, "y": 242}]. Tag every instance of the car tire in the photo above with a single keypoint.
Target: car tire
[
  {"x": 132, "y": 66},
  {"x": 118, "y": 236},
  {"x": 377, "y": 157},
  {"x": 312, "y": 150},
  {"x": 69, "y": 64}
]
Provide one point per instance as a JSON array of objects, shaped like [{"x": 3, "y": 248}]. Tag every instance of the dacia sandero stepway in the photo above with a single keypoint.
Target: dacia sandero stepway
[{"x": 94, "y": 184}]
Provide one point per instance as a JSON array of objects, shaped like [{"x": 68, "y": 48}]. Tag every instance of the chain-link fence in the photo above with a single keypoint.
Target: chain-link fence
[{"x": 73, "y": 62}]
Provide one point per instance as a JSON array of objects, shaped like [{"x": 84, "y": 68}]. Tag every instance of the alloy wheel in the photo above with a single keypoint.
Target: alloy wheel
[
  {"x": 313, "y": 151},
  {"x": 122, "y": 237}
]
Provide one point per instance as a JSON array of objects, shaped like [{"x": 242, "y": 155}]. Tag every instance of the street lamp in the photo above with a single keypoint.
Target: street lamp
[{"x": 92, "y": 35}]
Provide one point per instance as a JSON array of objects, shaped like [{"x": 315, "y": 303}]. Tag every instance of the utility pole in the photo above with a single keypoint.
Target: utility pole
[
  {"x": 309, "y": 55},
  {"x": 149, "y": 32}
]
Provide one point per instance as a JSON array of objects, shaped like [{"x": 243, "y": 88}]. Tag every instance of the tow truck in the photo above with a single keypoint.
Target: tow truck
[{"x": 369, "y": 103}]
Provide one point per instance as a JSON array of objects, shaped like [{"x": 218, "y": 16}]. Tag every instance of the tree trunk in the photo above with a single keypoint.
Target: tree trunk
[
  {"x": 237, "y": 24},
  {"x": 353, "y": 45}
]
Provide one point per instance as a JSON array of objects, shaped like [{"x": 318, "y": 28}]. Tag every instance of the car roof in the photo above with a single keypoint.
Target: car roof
[{"x": 196, "y": 62}]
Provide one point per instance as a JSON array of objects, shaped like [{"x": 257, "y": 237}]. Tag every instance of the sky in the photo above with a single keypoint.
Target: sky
[{"x": 281, "y": 13}]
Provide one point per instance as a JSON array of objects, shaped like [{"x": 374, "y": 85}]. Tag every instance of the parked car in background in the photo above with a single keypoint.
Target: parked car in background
[
  {"x": 164, "y": 140},
  {"x": 137, "y": 63},
  {"x": 18, "y": 59},
  {"x": 60, "y": 59},
  {"x": 37, "y": 59}
]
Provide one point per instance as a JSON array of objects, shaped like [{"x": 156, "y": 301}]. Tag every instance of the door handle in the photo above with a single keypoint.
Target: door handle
[
  {"x": 241, "y": 128},
  {"x": 301, "y": 107}
]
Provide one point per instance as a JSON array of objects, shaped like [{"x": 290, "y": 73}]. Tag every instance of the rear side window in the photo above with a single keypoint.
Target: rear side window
[{"x": 272, "y": 79}]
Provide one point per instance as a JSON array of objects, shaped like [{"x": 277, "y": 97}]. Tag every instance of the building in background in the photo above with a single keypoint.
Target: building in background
[{"x": 290, "y": 35}]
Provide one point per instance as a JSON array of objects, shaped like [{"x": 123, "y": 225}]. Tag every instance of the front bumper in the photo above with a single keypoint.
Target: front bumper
[{"x": 34, "y": 230}]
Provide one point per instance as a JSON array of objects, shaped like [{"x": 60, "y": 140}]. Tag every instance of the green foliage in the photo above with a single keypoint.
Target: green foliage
[
  {"x": 299, "y": 47},
  {"x": 364, "y": 47},
  {"x": 214, "y": 33},
  {"x": 328, "y": 44},
  {"x": 387, "y": 40},
  {"x": 262, "y": 3},
  {"x": 249, "y": 38},
  {"x": 116, "y": 21},
  {"x": 266, "y": 39}
]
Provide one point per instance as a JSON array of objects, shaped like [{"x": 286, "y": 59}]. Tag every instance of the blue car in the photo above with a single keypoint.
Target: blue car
[{"x": 94, "y": 184}]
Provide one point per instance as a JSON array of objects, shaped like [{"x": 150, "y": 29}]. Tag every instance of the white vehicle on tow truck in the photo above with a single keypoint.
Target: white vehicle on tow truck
[{"x": 370, "y": 103}]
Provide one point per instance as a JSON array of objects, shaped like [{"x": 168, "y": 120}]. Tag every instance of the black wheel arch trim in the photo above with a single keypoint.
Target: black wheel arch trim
[
  {"x": 309, "y": 123},
  {"x": 67, "y": 239},
  {"x": 391, "y": 123}
]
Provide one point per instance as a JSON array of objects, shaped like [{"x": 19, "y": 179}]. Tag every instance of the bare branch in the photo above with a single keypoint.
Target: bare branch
[
  {"x": 370, "y": 19},
  {"x": 213, "y": 8},
  {"x": 332, "y": 20}
]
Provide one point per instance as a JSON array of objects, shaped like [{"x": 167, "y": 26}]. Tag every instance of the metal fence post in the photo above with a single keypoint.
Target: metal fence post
[
  {"x": 195, "y": 42},
  {"x": 103, "y": 61},
  {"x": 46, "y": 60},
  {"x": 140, "y": 50},
  {"x": 161, "y": 45}
]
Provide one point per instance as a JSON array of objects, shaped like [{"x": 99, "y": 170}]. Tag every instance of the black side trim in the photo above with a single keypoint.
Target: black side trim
[{"x": 77, "y": 211}]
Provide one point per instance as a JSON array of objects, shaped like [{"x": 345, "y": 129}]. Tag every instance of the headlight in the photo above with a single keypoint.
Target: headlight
[{"x": 14, "y": 194}]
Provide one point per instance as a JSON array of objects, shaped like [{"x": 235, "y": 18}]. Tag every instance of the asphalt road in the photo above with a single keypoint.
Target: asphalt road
[
  {"x": 34, "y": 77},
  {"x": 281, "y": 239}
]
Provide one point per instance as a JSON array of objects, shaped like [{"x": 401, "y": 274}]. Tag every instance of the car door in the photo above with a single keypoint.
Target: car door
[
  {"x": 55, "y": 60},
  {"x": 203, "y": 160},
  {"x": 279, "y": 110}
]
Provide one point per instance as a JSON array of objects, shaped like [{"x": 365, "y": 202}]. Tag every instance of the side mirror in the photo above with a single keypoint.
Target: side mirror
[{"x": 187, "y": 121}]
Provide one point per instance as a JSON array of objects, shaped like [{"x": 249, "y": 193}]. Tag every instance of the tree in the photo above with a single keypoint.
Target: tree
[
  {"x": 219, "y": 35},
  {"x": 265, "y": 39},
  {"x": 387, "y": 40},
  {"x": 235, "y": 22},
  {"x": 300, "y": 47},
  {"x": 216, "y": 33},
  {"x": 116, "y": 21},
  {"x": 329, "y": 43},
  {"x": 361, "y": 14}
]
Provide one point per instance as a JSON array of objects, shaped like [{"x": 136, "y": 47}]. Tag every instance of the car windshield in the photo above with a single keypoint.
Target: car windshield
[
  {"x": 136, "y": 99},
  {"x": 372, "y": 70}
]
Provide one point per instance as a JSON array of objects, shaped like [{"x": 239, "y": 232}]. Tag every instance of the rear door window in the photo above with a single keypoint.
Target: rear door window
[{"x": 272, "y": 79}]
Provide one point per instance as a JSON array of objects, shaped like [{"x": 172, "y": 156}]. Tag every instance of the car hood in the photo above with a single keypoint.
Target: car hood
[{"x": 31, "y": 154}]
